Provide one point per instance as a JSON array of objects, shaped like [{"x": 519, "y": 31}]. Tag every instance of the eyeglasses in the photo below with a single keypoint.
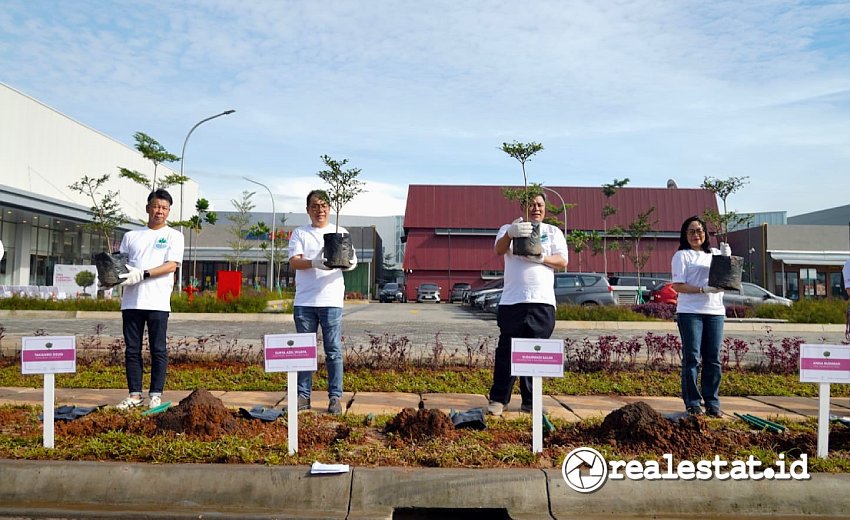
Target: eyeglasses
[
  {"x": 696, "y": 231},
  {"x": 317, "y": 207}
]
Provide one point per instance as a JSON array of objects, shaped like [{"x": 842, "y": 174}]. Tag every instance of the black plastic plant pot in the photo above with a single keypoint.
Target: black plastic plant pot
[
  {"x": 725, "y": 272},
  {"x": 109, "y": 267},
  {"x": 529, "y": 246},
  {"x": 338, "y": 250}
]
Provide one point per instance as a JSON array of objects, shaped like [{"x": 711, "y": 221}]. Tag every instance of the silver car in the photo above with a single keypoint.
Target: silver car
[
  {"x": 428, "y": 292},
  {"x": 583, "y": 289},
  {"x": 752, "y": 295}
]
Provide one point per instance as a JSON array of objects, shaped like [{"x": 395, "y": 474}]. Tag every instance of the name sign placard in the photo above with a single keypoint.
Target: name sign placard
[
  {"x": 824, "y": 363},
  {"x": 290, "y": 352},
  {"x": 537, "y": 357},
  {"x": 48, "y": 354}
]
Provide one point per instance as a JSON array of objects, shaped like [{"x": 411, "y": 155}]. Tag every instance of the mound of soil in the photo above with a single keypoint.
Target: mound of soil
[
  {"x": 420, "y": 424},
  {"x": 200, "y": 415}
]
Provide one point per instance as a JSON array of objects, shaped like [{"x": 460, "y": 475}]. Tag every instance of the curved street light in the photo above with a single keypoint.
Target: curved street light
[
  {"x": 182, "y": 161},
  {"x": 274, "y": 217},
  {"x": 563, "y": 205}
]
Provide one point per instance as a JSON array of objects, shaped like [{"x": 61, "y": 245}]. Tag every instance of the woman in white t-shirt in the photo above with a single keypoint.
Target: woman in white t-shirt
[{"x": 699, "y": 314}]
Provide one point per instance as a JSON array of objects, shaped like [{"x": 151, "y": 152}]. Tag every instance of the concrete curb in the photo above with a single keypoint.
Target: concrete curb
[{"x": 94, "y": 489}]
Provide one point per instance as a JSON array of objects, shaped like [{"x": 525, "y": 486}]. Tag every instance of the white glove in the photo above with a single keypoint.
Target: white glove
[
  {"x": 353, "y": 265},
  {"x": 319, "y": 261},
  {"x": 132, "y": 276},
  {"x": 520, "y": 229},
  {"x": 537, "y": 259},
  {"x": 711, "y": 290},
  {"x": 725, "y": 250}
]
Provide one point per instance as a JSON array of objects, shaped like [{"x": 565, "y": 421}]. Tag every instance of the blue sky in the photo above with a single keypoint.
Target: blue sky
[{"x": 425, "y": 92}]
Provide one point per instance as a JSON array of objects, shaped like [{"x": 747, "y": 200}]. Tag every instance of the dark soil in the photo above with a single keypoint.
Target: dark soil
[
  {"x": 421, "y": 424},
  {"x": 200, "y": 415}
]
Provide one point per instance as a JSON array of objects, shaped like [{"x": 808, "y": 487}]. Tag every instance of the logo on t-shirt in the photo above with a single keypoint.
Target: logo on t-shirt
[{"x": 162, "y": 243}]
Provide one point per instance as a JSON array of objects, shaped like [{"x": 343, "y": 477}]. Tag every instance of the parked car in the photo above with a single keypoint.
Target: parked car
[
  {"x": 458, "y": 289},
  {"x": 583, "y": 289},
  {"x": 469, "y": 296},
  {"x": 428, "y": 292},
  {"x": 649, "y": 283},
  {"x": 491, "y": 301},
  {"x": 751, "y": 295},
  {"x": 392, "y": 292}
]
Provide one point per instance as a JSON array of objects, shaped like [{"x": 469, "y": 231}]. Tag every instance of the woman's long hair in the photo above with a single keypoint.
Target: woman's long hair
[{"x": 683, "y": 234}]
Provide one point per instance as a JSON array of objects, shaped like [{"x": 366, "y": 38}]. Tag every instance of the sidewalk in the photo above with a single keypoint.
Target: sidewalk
[{"x": 566, "y": 407}]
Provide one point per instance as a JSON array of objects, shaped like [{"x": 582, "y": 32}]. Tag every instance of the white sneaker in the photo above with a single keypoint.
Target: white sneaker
[
  {"x": 495, "y": 408},
  {"x": 155, "y": 401},
  {"x": 132, "y": 401}
]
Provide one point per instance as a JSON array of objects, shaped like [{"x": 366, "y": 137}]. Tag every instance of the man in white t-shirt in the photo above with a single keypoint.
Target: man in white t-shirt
[
  {"x": 527, "y": 306},
  {"x": 319, "y": 294},
  {"x": 154, "y": 254}
]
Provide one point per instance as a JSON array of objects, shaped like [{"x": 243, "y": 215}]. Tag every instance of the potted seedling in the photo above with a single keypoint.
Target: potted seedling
[
  {"x": 106, "y": 215},
  {"x": 726, "y": 271},
  {"x": 343, "y": 186},
  {"x": 522, "y": 152}
]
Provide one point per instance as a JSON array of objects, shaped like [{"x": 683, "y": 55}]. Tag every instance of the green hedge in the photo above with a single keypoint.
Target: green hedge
[
  {"x": 806, "y": 311},
  {"x": 598, "y": 313}
]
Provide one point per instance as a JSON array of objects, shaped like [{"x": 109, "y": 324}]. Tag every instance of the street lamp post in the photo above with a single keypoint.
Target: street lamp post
[
  {"x": 563, "y": 205},
  {"x": 182, "y": 161},
  {"x": 274, "y": 217}
]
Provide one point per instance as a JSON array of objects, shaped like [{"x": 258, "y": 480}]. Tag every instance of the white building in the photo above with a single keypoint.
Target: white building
[{"x": 42, "y": 152}]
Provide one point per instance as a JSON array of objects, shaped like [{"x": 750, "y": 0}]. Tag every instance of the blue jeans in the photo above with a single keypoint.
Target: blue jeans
[
  {"x": 134, "y": 327},
  {"x": 308, "y": 319},
  {"x": 701, "y": 337}
]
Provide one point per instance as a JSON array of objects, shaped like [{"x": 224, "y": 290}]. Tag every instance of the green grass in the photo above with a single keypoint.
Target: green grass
[{"x": 598, "y": 313}]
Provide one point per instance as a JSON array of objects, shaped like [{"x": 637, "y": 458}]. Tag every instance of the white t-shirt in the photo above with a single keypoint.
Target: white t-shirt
[
  {"x": 528, "y": 282},
  {"x": 149, "y": 248},
  {"x": 691, "y": 267},
  {"x": 316, "y": 287}
]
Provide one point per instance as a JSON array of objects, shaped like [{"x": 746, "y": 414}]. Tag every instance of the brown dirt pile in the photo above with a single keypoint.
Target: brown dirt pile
[
  {"x": 200, "y": 415},
  {"x": 420, "y": 424}
]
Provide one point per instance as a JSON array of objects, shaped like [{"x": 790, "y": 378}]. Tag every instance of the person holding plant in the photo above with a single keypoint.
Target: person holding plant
[
  {"x": 700, "y": 314},
  {"x": 319, "y": 295},
  {"x": 154, "y": 253},
  {"x": 527, "y": 306}
]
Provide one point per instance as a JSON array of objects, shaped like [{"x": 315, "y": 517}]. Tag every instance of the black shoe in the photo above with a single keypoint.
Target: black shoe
[
  {"x": 529, "y": 408},
  {"x": 695, "y": 410},
  {"x": 713, "y": 411}
]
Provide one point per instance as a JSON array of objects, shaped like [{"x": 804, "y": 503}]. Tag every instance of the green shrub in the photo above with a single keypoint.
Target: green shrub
[
  {"x": 598, "y": 313},
  {"x": 249, "y": 300},
  {"x": 773, "y": 312},
  {"x": 77, "y": 304},
  {"x": 818, "y": 311}
]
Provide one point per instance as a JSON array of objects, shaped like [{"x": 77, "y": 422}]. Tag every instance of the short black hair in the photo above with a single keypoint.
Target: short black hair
[
  {"x": 161, "y": 194},
  {"x": 683, "y": 235},
  {"x": 321, "y": 194}
]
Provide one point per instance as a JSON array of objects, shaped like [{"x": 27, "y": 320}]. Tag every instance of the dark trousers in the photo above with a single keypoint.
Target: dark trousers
[
  {"x": 135, "y": 321},
  {"x": 521, "y": 320}
]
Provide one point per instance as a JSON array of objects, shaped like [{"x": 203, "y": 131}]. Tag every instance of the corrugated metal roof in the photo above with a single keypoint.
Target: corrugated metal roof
[{"x": 469, "y": 207}]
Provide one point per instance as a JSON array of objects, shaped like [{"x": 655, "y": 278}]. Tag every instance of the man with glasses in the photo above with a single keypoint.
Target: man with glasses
[
  {"x": 319, "y": 294},
  {"x": 154, "y": 254}
]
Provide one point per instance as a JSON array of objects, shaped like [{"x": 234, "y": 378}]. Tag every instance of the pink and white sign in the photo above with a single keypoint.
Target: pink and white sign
[
  {"x": 48, "y": 354},
  {"x": 824, "y": 363},
  {"x": 537, "y": 357},
  {"x": 290, "y": 352}
]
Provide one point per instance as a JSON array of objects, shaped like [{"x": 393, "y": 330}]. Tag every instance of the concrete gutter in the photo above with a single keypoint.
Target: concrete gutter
[{"x": 107, "y": 489}]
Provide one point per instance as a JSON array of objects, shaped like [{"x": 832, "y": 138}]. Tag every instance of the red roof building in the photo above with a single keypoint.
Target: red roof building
[{"x": 450, "y": 230}]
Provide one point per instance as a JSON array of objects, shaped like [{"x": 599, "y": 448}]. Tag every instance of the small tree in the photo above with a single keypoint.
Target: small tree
[
  {"x": 636, "y": 230},
  {"x": 579, "y": 240},
  {"x": 196, "y": 223},
  {"x": 609, "y": 190},
  {"x": 343, "y": 184},
  {"x": 84, "y": 279},
  {"x": 105, "y": 208},
  {"x": 156, "y": 153},
  {"x": 239, "y": 229},
  {"x": 720, "y": 223},
  {"x": 259, "y": 231},
  {"x": 523, "y": 152}
]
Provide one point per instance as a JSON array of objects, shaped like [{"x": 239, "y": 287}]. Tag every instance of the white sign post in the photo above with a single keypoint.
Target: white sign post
[
  {"x": 824, "y": 364},
  {"x": 48, "y": 355},
  {"x": 537, "y": 358},
  {"x": 291, "y": 353}
]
